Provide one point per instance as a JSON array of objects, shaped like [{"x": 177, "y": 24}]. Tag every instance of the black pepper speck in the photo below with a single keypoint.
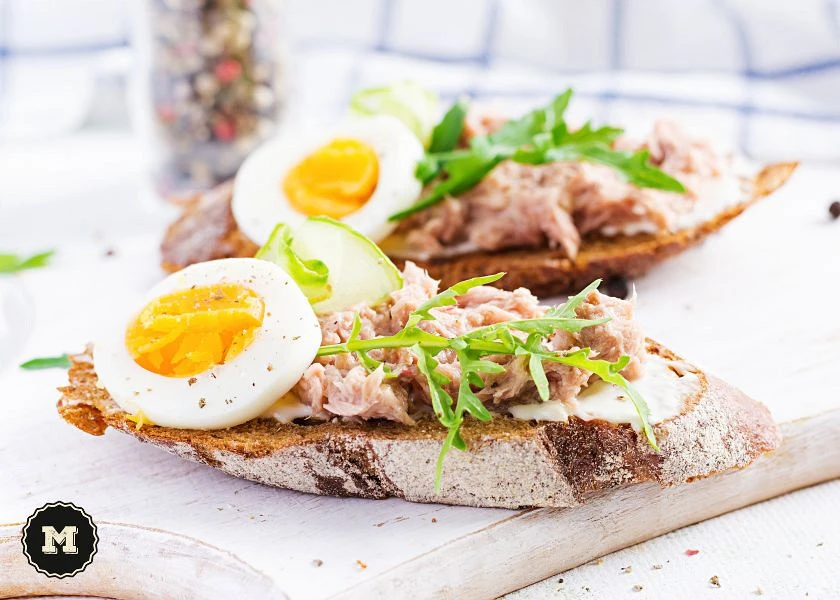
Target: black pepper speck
[{"x": 616, "y": 286}]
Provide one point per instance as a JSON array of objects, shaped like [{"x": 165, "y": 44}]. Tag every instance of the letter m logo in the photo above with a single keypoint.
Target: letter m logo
[{"x": 66, "y": 539}]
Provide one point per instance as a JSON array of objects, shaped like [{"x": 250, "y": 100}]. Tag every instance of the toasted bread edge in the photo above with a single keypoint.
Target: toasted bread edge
[{"x": 510, "y": 464}]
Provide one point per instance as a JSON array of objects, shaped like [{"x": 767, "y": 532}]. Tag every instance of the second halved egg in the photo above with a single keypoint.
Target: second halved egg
[{"x": 360, "y": 173}]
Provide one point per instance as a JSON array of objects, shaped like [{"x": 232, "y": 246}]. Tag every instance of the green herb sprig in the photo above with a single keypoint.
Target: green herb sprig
[
  {"x": 12, "y": 263},
  {"x": 539, "y": 137},
  {"x": 61, "y": 361},
  {"x": 475, "y": 347}
]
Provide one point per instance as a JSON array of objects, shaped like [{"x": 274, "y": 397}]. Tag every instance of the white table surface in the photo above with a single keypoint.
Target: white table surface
[{"x": 86, "y": 187}]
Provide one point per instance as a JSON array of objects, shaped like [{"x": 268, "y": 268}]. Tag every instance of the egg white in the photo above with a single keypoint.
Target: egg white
[
  {"x": 259, "y": 202},
  {"x": 234, "y": 392}
]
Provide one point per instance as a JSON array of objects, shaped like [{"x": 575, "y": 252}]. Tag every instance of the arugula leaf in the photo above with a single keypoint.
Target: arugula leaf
[
  {"x": 611, "y": 373},
  {"x": 427, "y": 169},
  {"x": 447, "y": 297},
  {"x": 403, "y": 339},
  {"x": 585, "y": 135},
  {"x": 532, "y": 347},
  {"x": 12, "y": 263},
  {"x": 61, "y": 361},
  {"x": 446, "y": 134},
  {"x": 473, "y": 350},
  {"x": 464, "y": 173},
  {"x": 368, "y": 362},
  {"x": 311, "y": 275},
  {"x": 521, "y": 131},
  {"x": 635, "y": 166},
  {"x": 453, "y": 439},
  {"x": 538, "y": 137},
  {"x": 441, "y": 400},
  {"x": 535, "y": 367},
  {"x": 567, "y": 310}
]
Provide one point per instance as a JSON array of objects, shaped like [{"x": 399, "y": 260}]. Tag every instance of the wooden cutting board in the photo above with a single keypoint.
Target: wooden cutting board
[{"x": 757, "y": 305}]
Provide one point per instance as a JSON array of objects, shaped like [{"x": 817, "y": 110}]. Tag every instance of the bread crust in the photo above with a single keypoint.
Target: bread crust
[
  {"x": 511, "y": 463},
  {"x": 207, "y": 230}
]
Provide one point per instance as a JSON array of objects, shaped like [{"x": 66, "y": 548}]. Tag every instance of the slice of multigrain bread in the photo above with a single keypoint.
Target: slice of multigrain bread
[
  {"x": 206, "y": 230},
  {"x": 510, "y": 463}
]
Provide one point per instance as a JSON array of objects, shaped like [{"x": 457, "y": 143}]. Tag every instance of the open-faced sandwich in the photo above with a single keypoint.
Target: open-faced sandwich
[
  {"x": 321, "y": 367},
  {"x": 553, "y": 205}
]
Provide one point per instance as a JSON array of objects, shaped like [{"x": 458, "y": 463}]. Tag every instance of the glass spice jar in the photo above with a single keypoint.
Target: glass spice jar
[{"x": 212, "y": 86}]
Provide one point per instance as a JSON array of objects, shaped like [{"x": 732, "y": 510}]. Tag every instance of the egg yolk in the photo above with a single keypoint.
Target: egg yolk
[
  {"x": 335, "y": 180},
  {"x": 190, "y": 331}
]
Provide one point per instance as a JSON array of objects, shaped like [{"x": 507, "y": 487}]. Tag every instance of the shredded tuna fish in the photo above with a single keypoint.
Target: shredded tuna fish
[
  {"x": 339, "y": 386},
  {"x": 618, "y": 337},
  {"x": 555, "y": 205}
]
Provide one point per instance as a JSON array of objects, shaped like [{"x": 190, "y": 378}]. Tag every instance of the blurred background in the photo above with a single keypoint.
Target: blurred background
[{"x": 761, "y": 73}]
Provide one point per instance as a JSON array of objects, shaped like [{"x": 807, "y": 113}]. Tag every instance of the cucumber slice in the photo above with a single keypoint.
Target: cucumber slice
[
  {"x": 411, "y": 103},
  {"x": 358, "y": 269},
  {"x": 312, "y": 275}
]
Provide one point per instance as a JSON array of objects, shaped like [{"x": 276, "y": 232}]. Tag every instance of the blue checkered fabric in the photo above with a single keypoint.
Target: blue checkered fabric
[{"x": 762, "y": 74}]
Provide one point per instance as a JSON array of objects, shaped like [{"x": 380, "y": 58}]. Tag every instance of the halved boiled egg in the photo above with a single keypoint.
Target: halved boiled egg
[
  {"x": 360, "y": 173},
  {"x": 212, "y": 346}
]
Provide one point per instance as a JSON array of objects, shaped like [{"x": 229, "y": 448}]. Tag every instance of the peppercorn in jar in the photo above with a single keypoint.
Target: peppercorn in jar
[{"x": 210, "y": 89}]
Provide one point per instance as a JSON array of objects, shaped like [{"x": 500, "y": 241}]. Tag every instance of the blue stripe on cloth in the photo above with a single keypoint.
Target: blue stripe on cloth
[
  {"x": 819, "y": 66},
  {"x": 327, "y": 44},
  {"x": 386, "y": 12},
  {"x": 742, "y": 35},
  {"x": 617, "y": 30},
  {"x": 614, "y": 96},
  {"x": 7, "y": 52},
  {"x": 804, "y": 69},
  {"x": 490, "y": 29},
  {"x": 833, "y": 12},
  {"x": 4, "y": 28}
]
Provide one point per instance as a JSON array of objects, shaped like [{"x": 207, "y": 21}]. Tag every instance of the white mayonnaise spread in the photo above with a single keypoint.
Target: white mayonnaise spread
[
  {"x": 664, "y": 391},
  {"x": 713, "y": 197},
  {"x": 662, "y": 388},
  {"x": 287, "y": 409}
]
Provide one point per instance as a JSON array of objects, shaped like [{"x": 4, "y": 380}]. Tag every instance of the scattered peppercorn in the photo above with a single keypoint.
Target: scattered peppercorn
[
  {"x": 202, "y": 403},
  {"x": 191, "y": 381},
  {"x": 616, "y": 286},
  {"x": 834, "y": 209},
  {"x": 715, "y": 581}
]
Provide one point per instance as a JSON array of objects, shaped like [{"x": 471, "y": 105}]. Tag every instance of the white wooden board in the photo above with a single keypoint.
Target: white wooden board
[{"x": 757, "y": 305}]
